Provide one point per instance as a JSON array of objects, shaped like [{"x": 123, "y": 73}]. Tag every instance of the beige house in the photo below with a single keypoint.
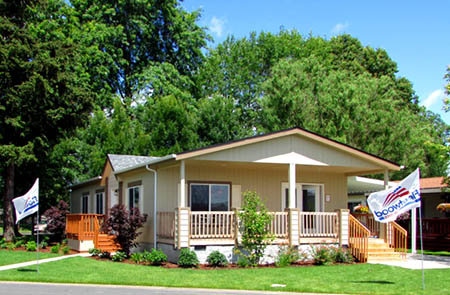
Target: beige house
[{"x": 301, "y": 177}]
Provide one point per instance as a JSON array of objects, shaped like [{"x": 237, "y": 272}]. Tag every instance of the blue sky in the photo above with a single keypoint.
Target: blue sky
[{"x": 416, "y": 34}]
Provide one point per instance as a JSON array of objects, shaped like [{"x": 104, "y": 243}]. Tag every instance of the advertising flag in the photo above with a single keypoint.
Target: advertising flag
[
  {"x": 28, "y": 203},
  {"x": 388, "y": 204}
]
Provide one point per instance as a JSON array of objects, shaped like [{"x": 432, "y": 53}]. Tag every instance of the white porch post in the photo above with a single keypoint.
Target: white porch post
[
  {"x": 292, "y": 182},
  {"x": 383, "y": 226},
  {"x": 182, "y": 197}
]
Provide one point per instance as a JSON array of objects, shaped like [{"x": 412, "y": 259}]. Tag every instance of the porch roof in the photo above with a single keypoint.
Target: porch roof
[{"x": 302, "y": 149}]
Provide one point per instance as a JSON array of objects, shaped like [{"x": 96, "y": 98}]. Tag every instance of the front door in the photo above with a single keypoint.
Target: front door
[{"x": 309, "y": 197}]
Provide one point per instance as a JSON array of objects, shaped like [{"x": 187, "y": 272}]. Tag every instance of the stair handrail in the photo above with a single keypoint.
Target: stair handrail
[
  {"x": 396, "y": 237},
  {"x": 358, "y": 239}
]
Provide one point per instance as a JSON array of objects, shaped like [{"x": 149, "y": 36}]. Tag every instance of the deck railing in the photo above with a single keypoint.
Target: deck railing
[
  {"x": 212, "y": 225},
  {"x": 279, "y": 227},
  {"x": 83, "y": 226},
  {"x": 166, "y": 225},
  {"x": 358, "y": 239},
  {"x": 369, "y": 221},
  {"x": 396, "y": 237},
  {"x": 318, "y": 224}
]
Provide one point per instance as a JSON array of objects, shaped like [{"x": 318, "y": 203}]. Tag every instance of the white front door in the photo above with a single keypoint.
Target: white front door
[{"x": 308, "y": 197}]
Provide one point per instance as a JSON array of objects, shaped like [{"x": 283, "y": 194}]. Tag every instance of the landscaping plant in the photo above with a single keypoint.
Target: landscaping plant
[
  {"x": 95, "y": 251},
  {"x": 340, "y": 255},
  {"x": 321, "y": 255},
  {"x": 124, "y": 225},
  {"x": 31, "y": 246},
  {"x": 138, "y": 257},
  {"x": 105, "y": 254},
  {"x": 65, "y": 250},
  {"x": 56, "y": 220},
  {"x": 287, "y": 256},
  {"x": 217, "y": 259},
  {"x": 156, "y": 257},
  {"x": 187, "y": 258},
  {"x": 254, "y": 220},
  {"x": 55, "y": 248},
  {"x": 119, "y": 256}
]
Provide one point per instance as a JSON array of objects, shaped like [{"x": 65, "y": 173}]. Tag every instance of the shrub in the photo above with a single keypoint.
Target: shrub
[
  {"x": 20, "y": 243},
  {"x": 95, "y": 251},
  {"x": 217, "y": 259},
  {"x": 105, "y": 254},
  {"x": 157, "y": 257},
  {"x": 287, "y": 256},
  {"x": 3, "y": 243},
  {"x": 44, "y": 243},
  {"x": 31, "y": 246},
  {"x": 124, "y": 225},
  {"x": 56, "y": 219},
  {"x": 243, "y": 261},
  {"x": 55, "y": 248},
  {"x": 65, "y": 250},
  {"x": 11, "y": 246},
  {"x": 187, "y": 258},
  {"x": 137, "y": 257},
  {"x": 341, "y": 255},
  {"x": 322, "y": 255},
  {"x": 255, "y": 220},
  {"x": 119, "y": 256}
]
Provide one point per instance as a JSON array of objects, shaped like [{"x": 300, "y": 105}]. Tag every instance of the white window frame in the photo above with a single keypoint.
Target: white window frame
[
  {"x": 141, "y": 197},
  {"x": 103, "y": 202},
  {"x": 84, "y": 196},
  {"x": 209, "y": 193},
  {"x": 320, "y": 201}
]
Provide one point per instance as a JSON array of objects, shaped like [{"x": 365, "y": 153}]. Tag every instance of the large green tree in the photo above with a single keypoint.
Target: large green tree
[{"x": 44, "y": 93}]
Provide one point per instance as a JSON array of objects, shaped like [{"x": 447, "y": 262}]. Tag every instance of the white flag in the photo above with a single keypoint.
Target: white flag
[
  {"x": 388, "y": 204},
  {"x": 28, "y": 203}
]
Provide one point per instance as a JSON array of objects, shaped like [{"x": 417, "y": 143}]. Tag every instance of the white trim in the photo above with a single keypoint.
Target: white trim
[{"x": 320, "y": 201}]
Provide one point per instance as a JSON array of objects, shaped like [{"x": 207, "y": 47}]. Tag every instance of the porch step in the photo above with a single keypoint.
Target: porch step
[
  {"x": 380, "y": 251},
  {"x": 107, "y": 243}
]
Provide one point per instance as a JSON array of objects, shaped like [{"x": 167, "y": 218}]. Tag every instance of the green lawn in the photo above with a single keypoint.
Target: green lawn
[
  {"x": 428, "y": 252},
  {"x": 350, "y": 279},
  {"x": 12, "y": 257}
]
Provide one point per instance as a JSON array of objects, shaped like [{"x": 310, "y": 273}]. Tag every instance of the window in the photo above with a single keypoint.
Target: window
[
  {"x": 99, "y": 202},
  {"x": 84, "y": 203},
  {"x": 209, "y": 197},
  {"x": 133, "y": 197}
]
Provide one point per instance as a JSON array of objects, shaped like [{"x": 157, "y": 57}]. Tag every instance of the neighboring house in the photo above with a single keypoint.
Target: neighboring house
[{"x": 300, "y": 176}]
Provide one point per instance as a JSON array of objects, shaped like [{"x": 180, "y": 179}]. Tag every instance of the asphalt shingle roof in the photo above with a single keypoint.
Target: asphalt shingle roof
[{"x": 120, "y": 162}]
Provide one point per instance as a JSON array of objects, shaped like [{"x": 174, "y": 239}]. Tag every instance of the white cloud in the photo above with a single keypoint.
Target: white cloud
[
  {"x": 339, "y": 28},
  {"x": 435, "y": 96},
  {"x": 217, "y": 26}
]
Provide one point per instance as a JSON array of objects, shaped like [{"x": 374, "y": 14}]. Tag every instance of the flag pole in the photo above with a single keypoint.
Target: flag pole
[
  {"x": 421, "y": 248},
  {"x": 37, "y": 244}
]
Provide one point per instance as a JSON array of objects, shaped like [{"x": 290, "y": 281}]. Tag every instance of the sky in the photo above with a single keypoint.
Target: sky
[{"x": 415, "y": 34}]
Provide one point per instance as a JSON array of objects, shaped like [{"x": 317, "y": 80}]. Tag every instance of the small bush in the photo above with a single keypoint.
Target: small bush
[
  {"x": 95, "y": 251},
  {"x": 157, "y": 257},
  {"x": 322, "y": 255},
  {"x": 341, "y": 255},
  {"x": 55, "y": 249},
  {"x": 3, "y": 243},
  {"x": 43, "y": 245},
  {"x": 217, "y": 259},
  {"x": 11, "y": 246},
  {"x": 20, "y": 243},
  {"x": 137, "y": 258},
  {"x": 119, "y": 256},
  {"x": 65, "y": 250},
  {"x": 187, "y": 258},
  {"x": 31, "y": 246},
  {"x": 105, "y": 254},
  {"x": 287, "y": 256},
  {"x": 56, "y": 219},
  {"x": 243, "y": 262}
]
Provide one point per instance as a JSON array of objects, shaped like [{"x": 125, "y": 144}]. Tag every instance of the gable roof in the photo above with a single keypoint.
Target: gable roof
[
  {"x": 121, "y": 162},
  {"x": 292, "y": 131}
]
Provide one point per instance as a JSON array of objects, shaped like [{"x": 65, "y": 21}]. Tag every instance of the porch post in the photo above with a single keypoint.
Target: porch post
[
  {"x": 293, "y": 227},
  {"x": 292, "y": 182},
  {"x": 343, "y": 226},
  {"x": 182, "y": 231},
  {"x": 182, "y": 197}
]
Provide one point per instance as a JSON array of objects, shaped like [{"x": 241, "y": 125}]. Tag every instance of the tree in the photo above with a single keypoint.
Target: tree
[
  {"x": 43, "y": 91},
  {"x": 56, "y": 219},
  {"x": 125, "y": 38},
  {"x": 447, "y": 89}
]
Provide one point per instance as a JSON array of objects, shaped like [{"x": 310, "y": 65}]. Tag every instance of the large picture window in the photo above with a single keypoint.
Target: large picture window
[
  {"x": 209, "y": 197},
  {"x": 133, "y": 197}
]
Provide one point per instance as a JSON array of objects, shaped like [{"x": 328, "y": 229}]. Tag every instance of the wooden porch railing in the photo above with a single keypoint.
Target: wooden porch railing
[
  {"x": 396, "y": 237},
  {"x": 279, "y": 225},
  {"x": 369, "y": 221},
  {"x": 318, "y": 224},
  {"x": 212, "y": 225},
  {"x": 358, "y": 239},
  {"x": 166, "y": 225},
  {"x": 83, "y": 226}
]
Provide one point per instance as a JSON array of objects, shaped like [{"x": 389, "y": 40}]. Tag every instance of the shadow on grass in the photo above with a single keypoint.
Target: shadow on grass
[
  {"x": 27, "y": 270},
  {"x": 373, "y": 282}
]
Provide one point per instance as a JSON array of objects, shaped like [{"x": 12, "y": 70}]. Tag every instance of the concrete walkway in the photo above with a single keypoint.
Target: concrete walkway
[
  {"x": 28, "y": 263},
  {"x": 414, "y": 261}
]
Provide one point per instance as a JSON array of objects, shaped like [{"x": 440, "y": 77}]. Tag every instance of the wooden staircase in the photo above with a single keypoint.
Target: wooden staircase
[
  {"x": 106, "y": 243},
  {"x": 379, "y": 250}
]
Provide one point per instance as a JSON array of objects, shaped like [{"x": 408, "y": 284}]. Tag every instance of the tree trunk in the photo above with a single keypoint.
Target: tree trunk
[{"x": 8, "y": 217}]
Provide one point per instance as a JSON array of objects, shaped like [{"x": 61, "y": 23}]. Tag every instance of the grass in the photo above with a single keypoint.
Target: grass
[
  {"x": 427, "y": 252},
  {"x": 350, "y": 279},
  {"x": 12, "y": 257}
]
